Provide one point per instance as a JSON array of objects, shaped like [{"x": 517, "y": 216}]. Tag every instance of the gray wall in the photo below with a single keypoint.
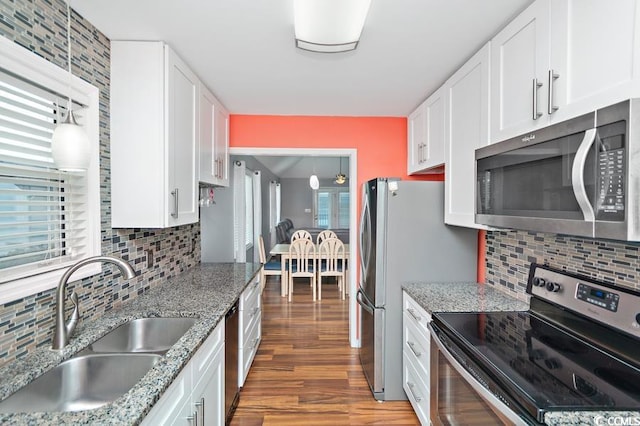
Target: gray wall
[
  {"x": 27, "y": 324},
  {"x": 217, "y": 220}
]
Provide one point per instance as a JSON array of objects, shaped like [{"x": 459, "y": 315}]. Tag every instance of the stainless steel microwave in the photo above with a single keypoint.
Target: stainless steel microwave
[{"x": 577, "y": 177}]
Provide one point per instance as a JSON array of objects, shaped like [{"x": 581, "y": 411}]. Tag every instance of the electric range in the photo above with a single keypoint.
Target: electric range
[{"x": 576, "y": 349}]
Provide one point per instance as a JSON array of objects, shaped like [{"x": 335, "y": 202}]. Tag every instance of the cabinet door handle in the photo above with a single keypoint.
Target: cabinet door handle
[
  {"x": 536, "y": 86},
  {"x": 414, "y": 314},
  {"x": 412, "y": 346},
  {"x": 200, "y": 407},
  {"x": 175, "y": 203},
  {"x": 551, "y": 108},
  {"x": 193, "y": 419},
  {"x": 411, "y": 387}
]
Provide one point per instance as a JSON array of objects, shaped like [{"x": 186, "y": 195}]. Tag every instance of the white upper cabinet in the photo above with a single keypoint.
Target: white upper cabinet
[
  {"x": 154, "y": 137},
  {"x": 595, "y": 53},
  {"x": 467, "y": 129},
  {"x": 562, "y": 58},
  {"x": 519, "y": 64},
  {"x": 426, "y": 135},
  {"x": 214, "y": 140}
]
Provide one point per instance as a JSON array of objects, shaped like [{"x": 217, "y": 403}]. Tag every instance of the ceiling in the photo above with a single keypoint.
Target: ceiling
[
  {"x": 292, "y": 166},
  {"x": 243, "y": 50}
]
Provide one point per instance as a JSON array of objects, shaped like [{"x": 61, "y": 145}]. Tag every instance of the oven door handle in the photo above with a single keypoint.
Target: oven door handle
[{"x": 498, "y": 406}]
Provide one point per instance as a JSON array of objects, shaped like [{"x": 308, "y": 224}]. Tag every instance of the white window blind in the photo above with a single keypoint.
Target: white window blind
[{"x": 42, "y": 211}]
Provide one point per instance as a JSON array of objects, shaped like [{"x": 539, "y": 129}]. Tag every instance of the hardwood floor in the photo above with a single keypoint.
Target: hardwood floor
[{"x": 305, "y": 372}]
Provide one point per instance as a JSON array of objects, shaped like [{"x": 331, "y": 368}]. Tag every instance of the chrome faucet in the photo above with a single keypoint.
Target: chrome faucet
[{"x": 63, "y": 330}]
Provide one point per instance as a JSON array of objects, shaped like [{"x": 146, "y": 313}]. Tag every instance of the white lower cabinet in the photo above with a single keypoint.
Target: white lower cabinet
[
  {"x": 196, "y": 397},
  {"x": 415, "y": 356},
  {"x": 250, "y": 327}
]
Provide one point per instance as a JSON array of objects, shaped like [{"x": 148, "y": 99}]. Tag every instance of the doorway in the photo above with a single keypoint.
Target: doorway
[{"x": 351, "y": 154}]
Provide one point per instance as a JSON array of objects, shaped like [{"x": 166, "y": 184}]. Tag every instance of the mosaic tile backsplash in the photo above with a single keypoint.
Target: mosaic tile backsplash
[
  {"x": 26, "y": 324},
  {"x": 510, "y": 253}
]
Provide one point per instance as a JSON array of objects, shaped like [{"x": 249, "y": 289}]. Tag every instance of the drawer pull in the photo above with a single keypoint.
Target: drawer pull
[
  {"x": 416, "y": 397},
  {"x": 414, "y": 314},
  {"x": 412, "y": 346}
]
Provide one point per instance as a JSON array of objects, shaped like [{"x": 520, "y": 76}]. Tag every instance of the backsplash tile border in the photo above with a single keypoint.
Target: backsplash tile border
[
  {"x": 27, "y": 324},
  {"x": 510, "y": 253}
]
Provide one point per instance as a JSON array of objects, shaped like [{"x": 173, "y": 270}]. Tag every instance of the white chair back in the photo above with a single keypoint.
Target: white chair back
[
  {"x": 302, "y": 263},
  {"x": 332, "y": 264},
  {"x": 323, "y": 235},
  {"x": 301, "y": 234}
]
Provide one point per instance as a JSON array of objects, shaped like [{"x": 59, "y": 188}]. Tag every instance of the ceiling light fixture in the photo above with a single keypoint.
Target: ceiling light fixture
[
  {"x": 70, "y": 146},
  {"x": 340, "y": 177},
  {"x": 329, "y": 26}
]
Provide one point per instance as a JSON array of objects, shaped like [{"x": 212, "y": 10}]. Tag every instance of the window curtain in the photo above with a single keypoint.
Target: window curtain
[
  {"x": 274, "y": 211},
  {"x": 239, "y": 249},
  {"x": 257, "y": 212}
]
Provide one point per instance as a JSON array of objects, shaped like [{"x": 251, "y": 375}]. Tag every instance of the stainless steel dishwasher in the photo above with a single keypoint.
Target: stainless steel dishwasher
[{"x": 231, "y": 388}]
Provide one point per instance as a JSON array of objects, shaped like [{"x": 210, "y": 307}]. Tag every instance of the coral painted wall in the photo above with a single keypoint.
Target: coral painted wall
[{"x": 381, "y": 142}]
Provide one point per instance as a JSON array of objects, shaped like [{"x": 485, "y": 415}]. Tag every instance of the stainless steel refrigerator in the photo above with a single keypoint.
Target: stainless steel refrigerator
[{"x": 403, "y": 238}]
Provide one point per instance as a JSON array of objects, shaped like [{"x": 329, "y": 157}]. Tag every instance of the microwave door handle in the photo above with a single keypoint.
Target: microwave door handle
[
  {"x": 577, "y": 175},
  {"x": 497, "y": 406}
]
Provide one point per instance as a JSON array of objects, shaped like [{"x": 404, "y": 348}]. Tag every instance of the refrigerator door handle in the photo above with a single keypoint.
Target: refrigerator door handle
[
  {"x": 364, "y": 251},
  {"x": 362, "y": 301}
]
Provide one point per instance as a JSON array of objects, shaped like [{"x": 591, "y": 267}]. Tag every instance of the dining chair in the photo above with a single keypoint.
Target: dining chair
[
  {"x": 301, "y": 233},
  {"x": 270, "y": 268},
  {"x": 323, "y": 235},
  {"x": 302, "y": 263},
  {"x": 332, "y": 264}
]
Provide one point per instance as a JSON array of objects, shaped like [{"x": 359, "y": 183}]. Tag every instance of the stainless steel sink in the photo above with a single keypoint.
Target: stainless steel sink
[
  {"x": 81, "y": 383},
  {"x": 155, "y": 335}
]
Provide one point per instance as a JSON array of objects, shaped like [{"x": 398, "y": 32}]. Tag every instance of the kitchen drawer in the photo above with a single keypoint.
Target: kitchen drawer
[
  {"x": 416, "y": 346},
  {"x": 250, "y": 307},
  {"x": 250, "y": 294},
  {"x": 417, "y": 391},
  {"x": 204, "y": 355},
  {"x": 249, "y": 348},
  {"x": 415, "y": 312},
  {"x": 249, "y": 316}
]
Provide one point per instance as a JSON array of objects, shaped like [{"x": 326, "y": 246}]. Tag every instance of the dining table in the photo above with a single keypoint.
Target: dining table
[{"x": 282, "y": 250}]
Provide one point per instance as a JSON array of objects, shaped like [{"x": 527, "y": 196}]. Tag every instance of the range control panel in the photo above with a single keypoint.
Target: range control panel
[
  {"x": 616, "y": 307},
  {"x": 597, "y": 296}
]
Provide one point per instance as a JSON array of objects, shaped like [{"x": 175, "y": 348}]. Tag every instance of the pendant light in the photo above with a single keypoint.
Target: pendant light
[
  {"x": 314, "y": 183},
  {"x": 70, "y": 146},
  {"x": 341, "y": 178}
]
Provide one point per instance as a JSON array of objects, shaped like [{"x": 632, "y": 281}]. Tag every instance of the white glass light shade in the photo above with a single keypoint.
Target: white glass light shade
[
  {"x": 70, "y": 147},
  {"x": 329, "y": 26},
  {"x": 314, "y": 183}
]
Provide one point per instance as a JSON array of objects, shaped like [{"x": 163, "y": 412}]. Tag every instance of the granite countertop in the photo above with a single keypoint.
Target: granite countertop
[
  {"x": 474, "y": 297},
  {"x": 206, "y": 291},
  {"x": 462, "y": 297}
]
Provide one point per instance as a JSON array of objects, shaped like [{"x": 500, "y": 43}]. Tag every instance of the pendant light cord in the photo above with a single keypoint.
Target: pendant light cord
[{"x": 69, "y": 51}]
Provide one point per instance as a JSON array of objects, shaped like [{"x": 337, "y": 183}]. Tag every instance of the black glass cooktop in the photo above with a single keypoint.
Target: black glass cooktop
[{"x": 545, "y": 368}]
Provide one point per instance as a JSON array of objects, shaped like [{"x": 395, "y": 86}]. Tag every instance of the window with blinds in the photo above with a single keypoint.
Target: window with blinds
[{"x": 42, "y": 211}]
